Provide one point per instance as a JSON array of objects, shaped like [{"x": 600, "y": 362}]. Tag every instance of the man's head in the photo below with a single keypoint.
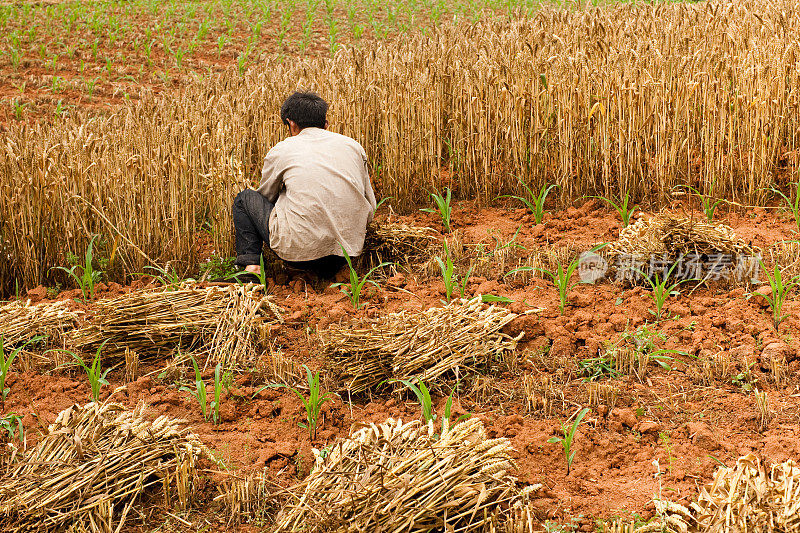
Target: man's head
[{"x": 304, "y": 110}]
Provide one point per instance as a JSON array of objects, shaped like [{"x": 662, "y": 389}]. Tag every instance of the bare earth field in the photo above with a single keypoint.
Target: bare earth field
[
  {"x": 692, "y": 417},
  {"x": 673, "y": 105}
]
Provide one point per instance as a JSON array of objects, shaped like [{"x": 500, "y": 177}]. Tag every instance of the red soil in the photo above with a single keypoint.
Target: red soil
[{"x": 668, "y": 416}]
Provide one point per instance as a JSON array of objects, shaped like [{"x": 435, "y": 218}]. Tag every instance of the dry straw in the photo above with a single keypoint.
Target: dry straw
[
  {"x": 396, "y": 477},
  {"x": 21, "y": 321},
  {"x": 749, "y": 497},
  {"x": 631, "y": 97},
  {"x": 228, "y": 321},
  {"x": 93, "y": 466},
  {"x": 670, "y": 238},
  {"x": 418, "y": 345},
  {"x": 396, "y": 242}
]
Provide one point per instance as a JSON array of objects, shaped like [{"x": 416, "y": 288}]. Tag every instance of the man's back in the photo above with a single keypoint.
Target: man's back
[{"x": 319, "y": 182}]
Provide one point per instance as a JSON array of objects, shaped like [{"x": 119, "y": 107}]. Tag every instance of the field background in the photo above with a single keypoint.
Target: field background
[{"x": 139, "y": 121}]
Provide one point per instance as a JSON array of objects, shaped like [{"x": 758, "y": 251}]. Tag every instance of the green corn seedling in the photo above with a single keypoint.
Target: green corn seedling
[
  {"x": 5, "y": 363},
  {"x": 779, "y": 291},
  {"x": 199, "y": 391},
  {"x": 423, "y": 397},
  {"x": 792, "y": 202},
  {"x": 95, "y": 373},
  {"x": 354, "y": 288},
  {"x": 12, "y": 425},
  {"x": 448, "y": 275},
  {"x": 88, "y": 275},
  {"x": 661, "y": 290},
  {"x": 567, "y": 440},
  {"x": 709, "y": 204},
  {"x": 561, "y": 278},
  {"x": 620, "y": 207},
  {"x": 312, "y": 404},
  {"x": 534, "y": 202},
  {"x": 443, "y": 207}
]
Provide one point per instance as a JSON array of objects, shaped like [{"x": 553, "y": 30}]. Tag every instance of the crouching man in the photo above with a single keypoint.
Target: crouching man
[{"x": 315, "y": 194}]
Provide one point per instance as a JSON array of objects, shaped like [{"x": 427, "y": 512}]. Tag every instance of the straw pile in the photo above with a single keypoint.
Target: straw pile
[
  {"x": 669, "y": 238},
  {"x": 248, "y": 499},
  {"x": 395, "y": 242},
  {"x": 93, "y": 465},
  {"x": 397, "y": 477},
  {"x": 419, "y": 345},
  {"x": 749, "y": 497},
  {"x": 21, "y": 322},
  {"x": 227, "y": 320}
]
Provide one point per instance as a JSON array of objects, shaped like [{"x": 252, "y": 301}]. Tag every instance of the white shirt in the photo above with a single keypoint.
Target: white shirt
[{"x": 319, "y": 182}]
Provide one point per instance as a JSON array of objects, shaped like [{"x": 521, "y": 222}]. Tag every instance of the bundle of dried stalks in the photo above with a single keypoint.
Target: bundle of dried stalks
[
  {"x": 21, "y": 321},
  {"x": 397, "y": 477},
  {"x": 749, "y": 497},
  {"x": 227, "y": 320},
  {"x": 248, "y": 499},
  {"x": 668, "y": 239},
  {"x": 395, "y": 242},
  {"x": 420, "y": 345},
  {"x": 92, "y": 466}
]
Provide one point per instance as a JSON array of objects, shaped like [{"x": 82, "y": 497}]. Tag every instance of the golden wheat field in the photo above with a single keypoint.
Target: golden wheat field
[
  {"x": 634, "y": 98},
  {"x": 513, "y": 352}
]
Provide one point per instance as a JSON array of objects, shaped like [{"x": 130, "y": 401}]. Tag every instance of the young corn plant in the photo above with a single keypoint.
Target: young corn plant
[
  {"x": 708, "y": 203},
  {"x": 534, "y": 202},
  {"x": 5, "y": 363},
  {"x": 567, "y": 440},
  {"x": 424, "y": 398},
  {"x": 312, "y": 404},
  {"x": 621, "y": 207},
  {"x": 13, "y": 428},
  {"x": 443, "y": 207},
  {"x": 448, "y": 275},
  {"x": 199, "y": 391},
  {"x": 355, "y": 287},
  {"x": 95, "y": 373},
  {"x": 792, "y": 202},
  {"x": 661, "y": 289},
  {"x": 779, "y": 291},
  {"x": 88, "y": 275},
  {"x": 562, "y": 278}
]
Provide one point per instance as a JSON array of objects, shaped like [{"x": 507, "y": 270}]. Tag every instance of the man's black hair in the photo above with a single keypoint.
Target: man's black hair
[{"x": 306, "y": 109}]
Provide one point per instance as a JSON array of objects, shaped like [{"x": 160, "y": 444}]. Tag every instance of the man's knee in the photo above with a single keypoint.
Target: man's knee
[{"x": 245, "y": 198}]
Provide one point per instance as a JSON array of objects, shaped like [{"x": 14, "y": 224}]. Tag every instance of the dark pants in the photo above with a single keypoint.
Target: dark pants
[{"x": 251, "y": 225}]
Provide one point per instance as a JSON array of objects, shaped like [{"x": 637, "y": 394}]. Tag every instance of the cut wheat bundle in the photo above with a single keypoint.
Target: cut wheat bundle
[
  {"x": 395, "y": 242},
  {"x": 419, "y": 345},
  {"x": 656, "y": 244},
  {"x": 749, "y": 497},
  {"x": 93, "y": 465},
  {"x": 226, "y": 320},
  {"x": 20, "y": 321},
  {"x": 395, "y": 477},
  {"x": 248, "y": 499}
]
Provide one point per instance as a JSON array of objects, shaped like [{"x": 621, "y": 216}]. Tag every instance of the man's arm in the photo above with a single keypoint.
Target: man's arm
[{"x": 271, "y": 177}]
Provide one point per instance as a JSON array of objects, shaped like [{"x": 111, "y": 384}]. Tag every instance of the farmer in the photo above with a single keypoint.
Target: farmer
[{"x": 315, "y": 195}]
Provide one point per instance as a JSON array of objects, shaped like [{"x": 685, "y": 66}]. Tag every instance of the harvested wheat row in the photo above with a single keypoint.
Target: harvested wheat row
[
  {"x": 92, "y": 467},
  {"x": 418, "y": 345},
  {"x": 20, "y": 322},
  {"x": 654, "y": 244},
  {"x": 749, "y": 497},
  {"x": 396, "y": 477},
  {"x": 396, "y": 242},
  {"x": 227, "y": 321}
]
